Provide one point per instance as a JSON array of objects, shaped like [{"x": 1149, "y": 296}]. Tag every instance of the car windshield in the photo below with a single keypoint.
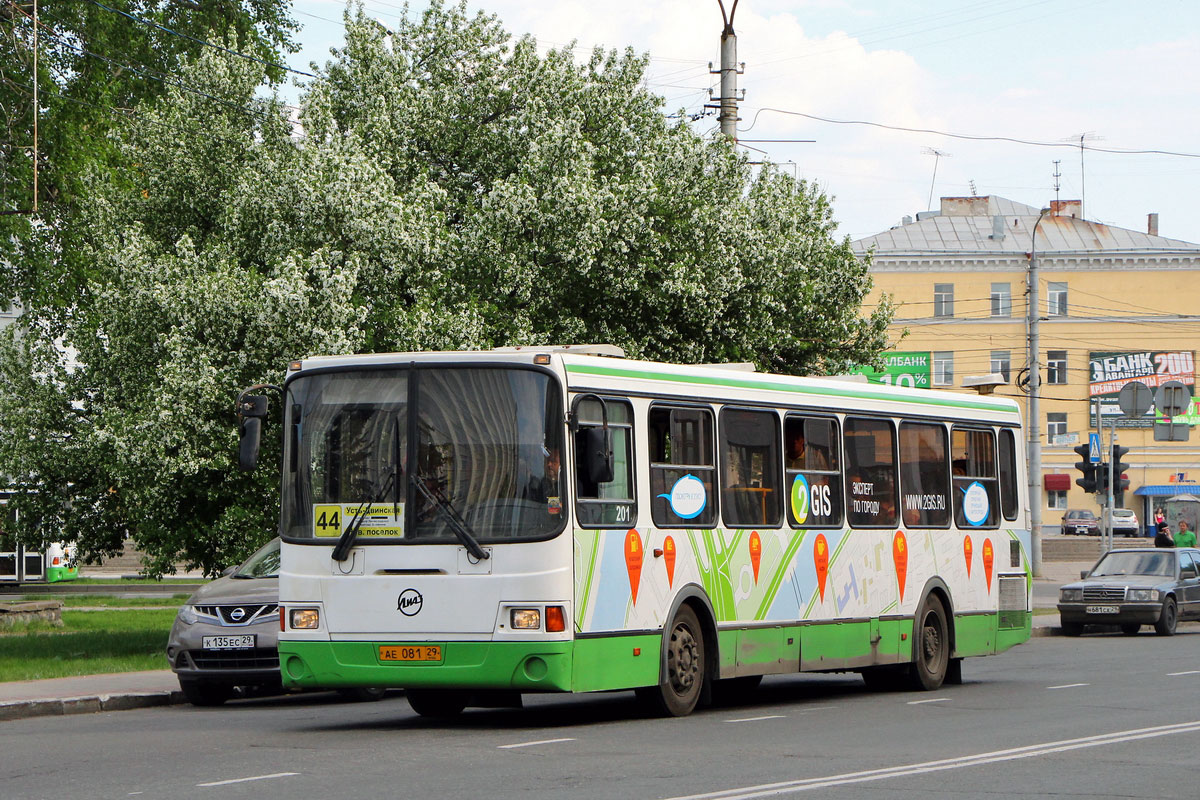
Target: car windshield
[
  {"x": 1080, "y": 515},
  {"x": 1135, "y": 563},
  {"x": 263, "y": 564},
  {"x": 1123, "y": 513},
  {"x": 424, "y": 454}
]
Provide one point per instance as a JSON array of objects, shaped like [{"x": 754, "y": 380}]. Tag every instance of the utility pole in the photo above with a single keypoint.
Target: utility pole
[
  {"x": 729, "y": 71},
  {"x": 1033, "y": 424},
  {"x": 36, "y": 110}
]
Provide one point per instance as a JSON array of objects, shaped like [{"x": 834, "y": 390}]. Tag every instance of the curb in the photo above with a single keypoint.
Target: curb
[{"x": 87, "y": 704}]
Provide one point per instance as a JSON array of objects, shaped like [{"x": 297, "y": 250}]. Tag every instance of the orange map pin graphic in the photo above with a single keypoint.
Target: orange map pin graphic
[
  {"x": 669, "y": 559},
  {"x": 633, "y": 561},
  {"x": 900, "y": 558},
  {"x": 967, "y": 553},
  {"x": 987, "y": 562},
  {"x": 821, "y": 561},
  {"x": 755, "y": 552}
]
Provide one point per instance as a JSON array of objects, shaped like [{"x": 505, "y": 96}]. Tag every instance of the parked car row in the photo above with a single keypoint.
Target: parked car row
[
  {"x": 225, "y": 637},
  {"x": 1082, "y": 522}
]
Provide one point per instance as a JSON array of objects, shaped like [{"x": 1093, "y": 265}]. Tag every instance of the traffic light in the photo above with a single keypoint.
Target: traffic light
[
  {"x": 1120, "y": 482},
  {"x": 1102, "y": 482},
  {"x": 1084, "y": 465}
]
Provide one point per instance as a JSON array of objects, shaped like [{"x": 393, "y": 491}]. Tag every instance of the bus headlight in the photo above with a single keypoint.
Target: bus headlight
[
  {"x": 1070, "y": 595},
  {"x": 526, "y": 619},
  {"x": 305, "y": 619}
]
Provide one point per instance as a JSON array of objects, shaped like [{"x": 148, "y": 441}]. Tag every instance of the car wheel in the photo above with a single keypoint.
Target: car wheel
[
  {"x": 931, "y": 648},
  {"x": 1130, "y": 628},
  {"x": 1071, "y": 628},
  {"x": 362, "y": 694},
  {"x": 203, "y": 693},
  {"x": 1168, "y": 619},
  {"x": 437, "y": 703}
]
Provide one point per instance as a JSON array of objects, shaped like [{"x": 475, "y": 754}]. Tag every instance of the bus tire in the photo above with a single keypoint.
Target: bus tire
[
  {"x": 931, "y": 646},
  {"x": 684, "y": 667},
  {"x": 437, "y": 703}
]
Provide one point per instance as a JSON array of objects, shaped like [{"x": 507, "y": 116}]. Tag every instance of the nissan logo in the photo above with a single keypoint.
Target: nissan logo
[
  {"x": 409, "y": 602},
  {"x": 237, "y": 614}
]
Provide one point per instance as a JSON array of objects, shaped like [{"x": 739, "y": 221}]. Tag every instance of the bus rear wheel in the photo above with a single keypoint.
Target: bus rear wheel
[
  {"x": 683, "y": 679},
  {"x": 437, "y": 703},
  {"x": 931, "y": 650}
]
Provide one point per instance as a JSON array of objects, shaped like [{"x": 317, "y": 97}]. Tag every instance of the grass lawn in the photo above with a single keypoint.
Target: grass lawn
[
  {"x": 93, "y": 600},
  {"x": 88, "y": 643}
]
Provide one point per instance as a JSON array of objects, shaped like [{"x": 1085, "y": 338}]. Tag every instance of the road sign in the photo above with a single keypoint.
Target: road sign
[
  {"x": 1094, "y": 448},
  {"x": 1135, "y": 398},
  {"x": 1173, "y": 398}
]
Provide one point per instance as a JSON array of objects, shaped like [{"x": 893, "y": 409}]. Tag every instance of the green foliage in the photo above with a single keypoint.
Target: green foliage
[{"x": 449, "y": 188}]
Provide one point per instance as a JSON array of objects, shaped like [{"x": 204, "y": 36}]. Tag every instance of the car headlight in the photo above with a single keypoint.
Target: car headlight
[
  {"x": 187, "y": 615},
  {"x": 1070, "y": 595},
  {"x": 1141, "y": 595}
]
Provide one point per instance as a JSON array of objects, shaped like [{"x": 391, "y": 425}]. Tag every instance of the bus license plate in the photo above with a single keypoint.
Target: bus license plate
[
  {"x": 1102, "y": 609},
  {"x": 410, "y": 652},
  {"x": 243, "y": 641}
]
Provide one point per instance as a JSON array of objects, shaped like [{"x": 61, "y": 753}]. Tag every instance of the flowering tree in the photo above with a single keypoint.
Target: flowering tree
[{"x": 445, "y": 187}]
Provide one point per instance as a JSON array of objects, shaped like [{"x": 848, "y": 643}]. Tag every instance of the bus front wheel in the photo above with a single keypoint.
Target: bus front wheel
[
  {"x": 931, "y": 650},
  {"x": 679, "y": 689}
]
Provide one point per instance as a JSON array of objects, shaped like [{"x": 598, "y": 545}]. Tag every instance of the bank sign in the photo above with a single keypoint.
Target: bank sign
[
  {"x": 900, "y": 369},
  {"x": 1109, "y": 371}
]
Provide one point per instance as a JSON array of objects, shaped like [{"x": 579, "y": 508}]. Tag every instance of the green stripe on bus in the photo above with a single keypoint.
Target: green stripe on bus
[{"x": 819, "y": 391}]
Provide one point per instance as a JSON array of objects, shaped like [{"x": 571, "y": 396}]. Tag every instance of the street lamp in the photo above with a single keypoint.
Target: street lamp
[{"x": 1033, "y": 424}]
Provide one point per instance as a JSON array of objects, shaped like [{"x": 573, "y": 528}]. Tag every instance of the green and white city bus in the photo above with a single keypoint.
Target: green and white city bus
[{"x": 471, "y": 526}]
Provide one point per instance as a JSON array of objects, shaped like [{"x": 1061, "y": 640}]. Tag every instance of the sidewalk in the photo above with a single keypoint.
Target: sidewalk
[{"x": 88, "y": 693}]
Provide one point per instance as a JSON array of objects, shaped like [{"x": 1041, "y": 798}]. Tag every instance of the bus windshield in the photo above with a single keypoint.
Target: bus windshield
[{"x": 371, "y": 446}]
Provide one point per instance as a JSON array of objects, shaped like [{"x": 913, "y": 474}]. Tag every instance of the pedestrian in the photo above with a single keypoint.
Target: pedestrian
[
  {"x": 1184, "y": 538},
  {"x": 1163, "y": 537},
  {"x": 1160, "y": 518}
]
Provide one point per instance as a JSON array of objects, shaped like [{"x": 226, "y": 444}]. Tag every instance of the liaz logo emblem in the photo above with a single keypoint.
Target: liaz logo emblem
[{"x": 409, "y": 602}]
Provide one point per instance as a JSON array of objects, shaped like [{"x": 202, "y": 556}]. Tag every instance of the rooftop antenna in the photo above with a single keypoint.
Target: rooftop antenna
[
  {"x": 1086, "y": 136},
  {"x": 974, "y": 191},
  {"x": 1057, "y": 181},
  {"x": 937, "y": 154}
]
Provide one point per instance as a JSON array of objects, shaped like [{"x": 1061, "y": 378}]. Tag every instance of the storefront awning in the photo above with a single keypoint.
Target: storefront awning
[
  {"x": 1057, "y": 482},
  {"x": 1168, "y": 489}
]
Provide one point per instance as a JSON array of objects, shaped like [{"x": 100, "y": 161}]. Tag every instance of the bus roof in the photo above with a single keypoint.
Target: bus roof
[{"x": 606, "y": 371}]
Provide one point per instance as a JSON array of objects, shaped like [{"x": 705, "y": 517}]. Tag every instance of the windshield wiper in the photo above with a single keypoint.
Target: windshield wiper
[
  {"x": 457, "y": 524},
  {"x": 342, "y": 550}
]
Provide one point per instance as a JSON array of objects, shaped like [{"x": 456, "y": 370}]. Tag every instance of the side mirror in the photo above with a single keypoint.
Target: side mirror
[
  {"x": 228, "y": 571},
  {"x": 598, "y": 455},
  {"x": 251, "y": 410},
  {"x": 1187, "y": 573},
  {"x": 1083, "y": 573}
]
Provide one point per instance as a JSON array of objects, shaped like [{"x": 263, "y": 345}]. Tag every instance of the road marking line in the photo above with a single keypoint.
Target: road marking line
[
  {"x": 756, "y": 719},
  {"x": 1188, "y": 672},
  {"x": 807, "y": 709},
  {"x": 531, "y": 744},
  {"x": 1068, "y": 686},
  {"x": 886, "y": 773},
  {"x": 255, "y": 778},
  {"x": 930, "y": 700}
]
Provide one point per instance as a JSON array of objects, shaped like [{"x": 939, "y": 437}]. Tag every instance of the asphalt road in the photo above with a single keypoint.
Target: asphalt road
[{"x": 1098, "y": 717}]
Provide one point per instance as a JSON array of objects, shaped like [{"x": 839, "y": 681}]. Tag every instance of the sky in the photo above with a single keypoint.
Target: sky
[{"x": 1122, "y": 75}]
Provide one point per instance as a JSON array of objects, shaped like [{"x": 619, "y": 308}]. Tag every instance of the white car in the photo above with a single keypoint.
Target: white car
[{"x": 1125, "y": 523}]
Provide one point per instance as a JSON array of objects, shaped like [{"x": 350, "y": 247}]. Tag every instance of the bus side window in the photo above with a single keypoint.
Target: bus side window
[
  {"x": 682, "y": 467},
  {"x": 749, "y": 468},
  {"x": 1008, "y": 474},
  {"x": 870, "y": 473},
  {"x": 614, "y": 503},
  {"x": 976, "y": 501},
  {"x": 924, "y": 475},
  {"x": 813, "y": 472}
]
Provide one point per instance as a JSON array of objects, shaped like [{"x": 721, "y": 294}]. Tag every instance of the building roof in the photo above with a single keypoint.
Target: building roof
[{"x": 998, "y": 226}]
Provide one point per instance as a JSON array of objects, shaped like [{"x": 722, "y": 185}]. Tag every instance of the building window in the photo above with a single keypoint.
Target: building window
[
  {"x": 1056, "y": 501},
  {"x": 943, "y": 368},
  {"x": 1002, "y": 363},
  {"x": 1056, "y": 366},
  {"x": 1056, "y": 299},
  {"x": 1001, "y": 299},
  {"x": 943, "y": 299},
  {"x": 1056, "y": 425}
]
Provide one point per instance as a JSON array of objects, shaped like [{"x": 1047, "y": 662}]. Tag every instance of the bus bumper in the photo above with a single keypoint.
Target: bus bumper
[{"x": 520, "y": 666}]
